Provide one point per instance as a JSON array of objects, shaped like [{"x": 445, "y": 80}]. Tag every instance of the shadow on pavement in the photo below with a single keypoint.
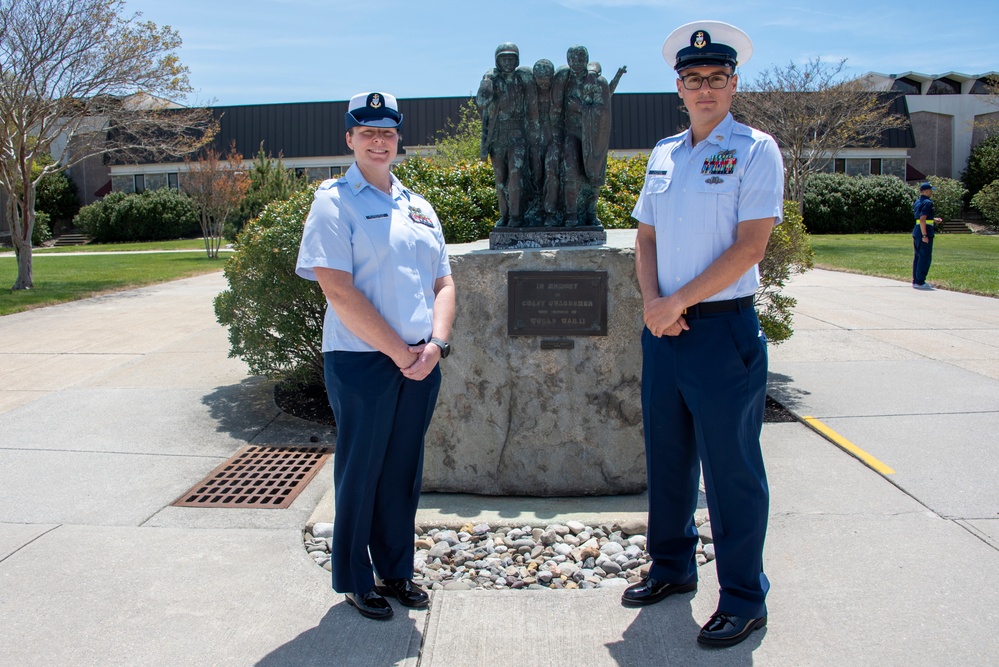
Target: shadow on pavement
[
  {"x": 782, "y": 388},
  {"x": 343, "y": 637},
  {"x": 243, "y": 410},
  {"x": 666, "y": 634}
]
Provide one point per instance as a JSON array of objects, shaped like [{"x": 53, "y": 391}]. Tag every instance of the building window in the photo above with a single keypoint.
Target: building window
[
  {"x": 140, "y": 182},
  {"x": 944, "y": 87},
  {"x": 335, "y": 172},
  {"x": 839, "y": 165},
  {"x": 876, "y": 166},
  {"x": 981, "y": 87},
  {"x": 906, "y": 86},
  {"x": 299, "y": 172},
  {"x": 173, "y": 181}
]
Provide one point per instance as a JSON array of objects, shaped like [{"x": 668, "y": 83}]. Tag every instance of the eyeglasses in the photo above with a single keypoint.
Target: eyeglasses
[{"x": 695, "y": 81}]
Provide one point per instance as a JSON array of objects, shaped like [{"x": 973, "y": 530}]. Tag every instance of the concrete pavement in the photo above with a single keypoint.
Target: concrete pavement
[{"x": 112, "y": 407}]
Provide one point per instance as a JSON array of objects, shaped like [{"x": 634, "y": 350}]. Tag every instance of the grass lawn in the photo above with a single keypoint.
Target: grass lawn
[
  {"x": 961, "y": 262},
  {"x": 181, "y": 244},
  {"x": 60, "y": 279}
]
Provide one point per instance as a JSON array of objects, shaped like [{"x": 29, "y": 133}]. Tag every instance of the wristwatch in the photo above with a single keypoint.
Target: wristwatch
[{"x": 443, "y": 345}]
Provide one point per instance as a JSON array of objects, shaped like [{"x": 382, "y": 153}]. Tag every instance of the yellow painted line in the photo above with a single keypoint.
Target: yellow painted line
[{"x": 847, "y": 446}]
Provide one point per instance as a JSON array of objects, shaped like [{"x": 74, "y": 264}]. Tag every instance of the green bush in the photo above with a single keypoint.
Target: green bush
[
  {"x": 841, "y": 204},
  {"x": 463, "y": 195},
  {"x": 788, "y": 253},
  {"x": 152, "y": 215},
  {"x": 948, "y": 198},
  {"x": 987, "y": 201},
  {"x": 619, "y": 193},
  {"x": 275, "y": 318},
  {"x": 42, "y": 231},
  {"x": 58, "y": 197},
  {"x": 982, "y": 167}
]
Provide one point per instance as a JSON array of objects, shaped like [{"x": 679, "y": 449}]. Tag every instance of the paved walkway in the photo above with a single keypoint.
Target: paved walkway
[{"x": 112, "y": 407}]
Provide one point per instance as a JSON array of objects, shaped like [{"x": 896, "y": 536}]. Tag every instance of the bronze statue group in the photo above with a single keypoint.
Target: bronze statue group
[{"x": 547, "y": 132}]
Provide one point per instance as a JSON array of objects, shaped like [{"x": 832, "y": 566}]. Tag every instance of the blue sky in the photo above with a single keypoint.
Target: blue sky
[{"x": 265, "y": 51}]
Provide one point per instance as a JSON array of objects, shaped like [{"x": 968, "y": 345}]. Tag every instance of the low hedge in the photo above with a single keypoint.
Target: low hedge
[
  {"x": 152, "y": 215},
  {"x": 841, "y": 204}
]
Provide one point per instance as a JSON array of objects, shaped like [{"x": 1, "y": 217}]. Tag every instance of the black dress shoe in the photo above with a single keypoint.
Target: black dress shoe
[
  {"x": 406, "y": 592},
  {"x": 371, "y": 604},
  {"x": 728, "y": 630},
  {"x": 650, "y": 591}
]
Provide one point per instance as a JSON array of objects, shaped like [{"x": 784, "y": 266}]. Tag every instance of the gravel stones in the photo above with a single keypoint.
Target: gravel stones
[{"x": 557, "y": 556}]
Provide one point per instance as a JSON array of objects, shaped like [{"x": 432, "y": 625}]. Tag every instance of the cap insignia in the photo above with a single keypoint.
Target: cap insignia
[
  {"x": 376, "y": 101},
  {"x": 700, "y": 39}
]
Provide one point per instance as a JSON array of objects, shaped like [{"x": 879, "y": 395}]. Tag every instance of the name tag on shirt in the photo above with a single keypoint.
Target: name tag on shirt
[{"x": 377, "y": 216}]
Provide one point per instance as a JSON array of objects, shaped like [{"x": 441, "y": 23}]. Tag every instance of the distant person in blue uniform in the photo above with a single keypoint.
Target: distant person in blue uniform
[
  {"x": 922, "y": 236},
  {"x": 711, "y": 197},
  {"x": 377, "y": 250}
]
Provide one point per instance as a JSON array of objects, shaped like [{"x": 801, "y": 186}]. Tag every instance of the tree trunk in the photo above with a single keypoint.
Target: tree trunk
[
  {"x": 25, "y": 278},
  {"x": 21, "y": 225}
]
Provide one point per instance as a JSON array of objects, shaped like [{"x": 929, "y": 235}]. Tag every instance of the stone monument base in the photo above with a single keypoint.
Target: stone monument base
[
  {"x": 539, "y": 415},
  {"x": 515, "y": 238}
]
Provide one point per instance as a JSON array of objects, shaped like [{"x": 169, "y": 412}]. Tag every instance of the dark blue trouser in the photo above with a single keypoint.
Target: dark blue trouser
[
  {"x": 922, "y": 254},
  {"x": 381, "y": 420},
  {"x": 703, "y": 397}
]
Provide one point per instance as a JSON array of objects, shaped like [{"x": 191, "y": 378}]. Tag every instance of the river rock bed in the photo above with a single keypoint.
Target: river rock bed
[{"x": 556, "y": 556}]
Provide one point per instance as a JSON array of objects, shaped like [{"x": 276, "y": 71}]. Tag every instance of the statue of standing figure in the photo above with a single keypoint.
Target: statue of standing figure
[
  {"x": 503, "y": 101},
  {"x": 547, "y": 132}
]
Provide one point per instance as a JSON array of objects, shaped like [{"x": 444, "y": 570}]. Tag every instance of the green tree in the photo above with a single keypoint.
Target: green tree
[
  {"x": 270, "y": 181},
  {"x": 982, "y": 167},
  {"x": 75, "y": 69},
  {"x": 459, "y": 143},
  {"x": 57, "y": 195},
  {"x": 814, "y": 113}
]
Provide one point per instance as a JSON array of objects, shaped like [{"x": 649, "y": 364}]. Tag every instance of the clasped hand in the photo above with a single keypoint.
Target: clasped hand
[
  {"x": 422, "y": 360},
  {"x": 664, "y": 317}
]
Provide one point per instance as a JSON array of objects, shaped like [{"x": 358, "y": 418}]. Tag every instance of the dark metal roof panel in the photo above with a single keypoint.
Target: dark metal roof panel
[
  {"x": 293, "y": 130},
  {"x": 640, "y": 120},
  {"x": 317, "y": 128},
  {"x": 314, "y": 129},
  {"x": 903, "y": 138}
]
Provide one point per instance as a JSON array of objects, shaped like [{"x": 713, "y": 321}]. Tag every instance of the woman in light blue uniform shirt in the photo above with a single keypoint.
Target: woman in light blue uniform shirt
[{"x": 378, "y": 252}]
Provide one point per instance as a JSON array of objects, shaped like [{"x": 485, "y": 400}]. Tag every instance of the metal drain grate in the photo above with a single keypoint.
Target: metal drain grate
[{"x": 258, "y": 477}]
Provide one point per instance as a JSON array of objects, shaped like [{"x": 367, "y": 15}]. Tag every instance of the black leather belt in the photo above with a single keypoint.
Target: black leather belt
[{"x": 715, "y": 307}]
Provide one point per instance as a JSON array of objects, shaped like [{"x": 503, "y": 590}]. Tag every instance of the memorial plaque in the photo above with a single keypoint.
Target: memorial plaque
[{"x": 557, "y": 303}]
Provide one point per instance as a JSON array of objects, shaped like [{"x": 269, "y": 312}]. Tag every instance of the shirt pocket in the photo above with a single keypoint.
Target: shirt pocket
[
  {"x": 656, "y": 185},
  {"x": 717, "y": 200},
  {"x": 656, "y": 194}
]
